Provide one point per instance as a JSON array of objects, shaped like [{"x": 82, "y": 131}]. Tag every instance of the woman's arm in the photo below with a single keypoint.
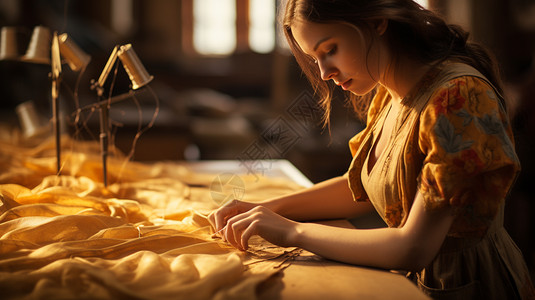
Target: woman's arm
[
  {"x": 330, "y": 199},
  {"x": 410, "y": 247}
]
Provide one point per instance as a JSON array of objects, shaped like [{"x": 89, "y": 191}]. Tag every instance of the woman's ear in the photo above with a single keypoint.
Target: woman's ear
[{"x": 381, "y": 26}]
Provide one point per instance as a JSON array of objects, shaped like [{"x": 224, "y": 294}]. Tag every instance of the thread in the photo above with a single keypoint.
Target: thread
[{"x": 141, "y": 129}]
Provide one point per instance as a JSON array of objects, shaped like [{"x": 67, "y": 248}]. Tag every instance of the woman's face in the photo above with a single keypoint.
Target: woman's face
[{"x": 342, "y": 54}]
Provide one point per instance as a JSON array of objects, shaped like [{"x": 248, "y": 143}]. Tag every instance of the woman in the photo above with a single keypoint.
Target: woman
[{"x": 436, "y": 158}]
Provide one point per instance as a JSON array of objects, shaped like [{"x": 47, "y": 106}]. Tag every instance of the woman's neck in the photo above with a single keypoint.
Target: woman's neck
[{"x": 402, "y": 77}]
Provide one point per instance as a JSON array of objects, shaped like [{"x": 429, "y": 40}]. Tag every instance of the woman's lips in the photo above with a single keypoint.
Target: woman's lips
[{"x": 345, "y": 85}]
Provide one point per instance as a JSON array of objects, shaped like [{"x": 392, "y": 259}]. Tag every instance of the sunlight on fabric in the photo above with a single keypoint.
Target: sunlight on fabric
[
  {"x": 145, "y": 236},
  {"x": 262, "y": 25},
  {"x": 214, "y": 29}
]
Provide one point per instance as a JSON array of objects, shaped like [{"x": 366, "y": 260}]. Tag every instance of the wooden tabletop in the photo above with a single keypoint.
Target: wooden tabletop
[{"x": 309, "y": 276}]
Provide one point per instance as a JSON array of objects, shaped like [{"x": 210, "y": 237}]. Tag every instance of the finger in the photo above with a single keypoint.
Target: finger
[
  {"x": 223, "y": 214},
  {"x": 211, "y": 220},
  {"x": 251, "y": 230},
  {"x": 255, "y": 214},
  {"x": 235, "y": 226},
  {"x": 230, "y": 231}
]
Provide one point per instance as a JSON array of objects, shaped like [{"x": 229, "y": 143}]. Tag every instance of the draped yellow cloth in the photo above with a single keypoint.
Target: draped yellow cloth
[{"x": 145, "y": 236}]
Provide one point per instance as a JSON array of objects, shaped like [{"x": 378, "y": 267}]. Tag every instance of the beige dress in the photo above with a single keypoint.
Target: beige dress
[{"x": 478, "y": 259}]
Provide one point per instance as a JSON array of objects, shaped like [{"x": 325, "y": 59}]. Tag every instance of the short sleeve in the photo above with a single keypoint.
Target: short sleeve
[{"x": 470, "y": 162}]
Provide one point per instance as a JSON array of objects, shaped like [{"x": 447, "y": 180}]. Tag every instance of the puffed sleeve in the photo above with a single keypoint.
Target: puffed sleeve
[{"x": 470, "y": 162}]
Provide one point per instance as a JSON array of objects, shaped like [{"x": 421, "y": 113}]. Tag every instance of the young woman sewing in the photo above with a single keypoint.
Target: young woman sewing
[{"x": 436, "y": 159}]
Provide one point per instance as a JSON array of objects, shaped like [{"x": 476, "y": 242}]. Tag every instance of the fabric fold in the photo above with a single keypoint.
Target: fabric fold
[{"x": 145, "y": 236}]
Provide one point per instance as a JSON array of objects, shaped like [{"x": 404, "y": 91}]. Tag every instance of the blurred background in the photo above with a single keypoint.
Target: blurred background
[{"x": 226, "y": 86}]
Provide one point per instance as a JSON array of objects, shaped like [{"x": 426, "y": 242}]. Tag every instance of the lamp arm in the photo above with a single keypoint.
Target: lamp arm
[
  {"x": 56, "y": 80},
  {"x": 104, "y": 119},
  {"x": 103, "y": 106},
  {"x": 109, "y": 101},
  {"x": 99, "y": 84}
]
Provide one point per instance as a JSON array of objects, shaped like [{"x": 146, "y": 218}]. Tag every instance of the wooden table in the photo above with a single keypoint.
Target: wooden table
[{"x": 310, "y": 276}]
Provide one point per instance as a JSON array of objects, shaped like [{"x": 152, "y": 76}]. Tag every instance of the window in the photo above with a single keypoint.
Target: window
[
  {"x": 222, "y": 27},
  {"x": 214, "y": 26},
  {"x": 262, "y": 25}
]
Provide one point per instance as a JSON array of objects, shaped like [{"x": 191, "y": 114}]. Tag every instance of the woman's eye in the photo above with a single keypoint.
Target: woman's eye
[{"x": 332, "y": 50}]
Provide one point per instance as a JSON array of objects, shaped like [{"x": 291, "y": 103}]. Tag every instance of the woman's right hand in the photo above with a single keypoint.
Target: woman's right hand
[{"x": 219, "y": 217}]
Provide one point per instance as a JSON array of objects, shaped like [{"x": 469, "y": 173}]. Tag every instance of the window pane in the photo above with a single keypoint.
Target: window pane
[
  {"x": 214, "y": 28},
  {"x": 281, "y": 42},
  {"x": 262, "y": 25},
  {"x": 122, "y": 20}
]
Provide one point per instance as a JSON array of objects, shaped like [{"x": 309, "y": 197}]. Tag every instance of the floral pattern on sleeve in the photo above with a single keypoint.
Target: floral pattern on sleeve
[{"x": 470, "y": 161}]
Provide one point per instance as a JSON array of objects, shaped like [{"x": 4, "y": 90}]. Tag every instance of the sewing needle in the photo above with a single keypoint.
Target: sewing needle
[{"x": 219, "y": 231}]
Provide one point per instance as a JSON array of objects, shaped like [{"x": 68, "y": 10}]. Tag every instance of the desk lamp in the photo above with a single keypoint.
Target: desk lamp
[
  {"x": 44, "y": 50},
  {"x": 63, "y": 46},
  {"x": 139, "y": 77}
]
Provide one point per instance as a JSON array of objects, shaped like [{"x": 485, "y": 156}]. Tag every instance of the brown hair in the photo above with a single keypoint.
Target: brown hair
[{"x": 412, "y": 30}]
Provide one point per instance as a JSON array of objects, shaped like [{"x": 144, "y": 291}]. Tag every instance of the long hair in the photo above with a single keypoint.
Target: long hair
[{"x": 412, "y": 30}]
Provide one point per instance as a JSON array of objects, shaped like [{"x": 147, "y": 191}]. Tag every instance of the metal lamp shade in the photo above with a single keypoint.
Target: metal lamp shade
[
  {"x": 30, "y": 120},
  {"x": 133, "y": 66},
  {"x": 75, "y": 57},
  {"x": 8, "y": 44},
  {"x": 39, "y": 47}
]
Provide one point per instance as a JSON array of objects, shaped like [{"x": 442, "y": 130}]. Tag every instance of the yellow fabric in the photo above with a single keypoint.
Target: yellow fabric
[
  {"x": 453, "y": 143},
  {"x": 377, "y": 180},
  {"x": 144, "y": 237}
]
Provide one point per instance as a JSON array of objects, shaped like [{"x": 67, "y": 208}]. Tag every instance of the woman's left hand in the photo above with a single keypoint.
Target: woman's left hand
[{"x": 259, "y": 221}]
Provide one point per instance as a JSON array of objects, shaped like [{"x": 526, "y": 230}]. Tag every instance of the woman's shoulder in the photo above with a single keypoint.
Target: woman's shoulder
[
  {"x": 462, "y": 94},
  {"x": 461, "y": 77}
]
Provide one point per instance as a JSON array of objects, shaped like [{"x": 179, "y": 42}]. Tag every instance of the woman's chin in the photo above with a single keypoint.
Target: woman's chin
[{"x": 361, "y": 91}]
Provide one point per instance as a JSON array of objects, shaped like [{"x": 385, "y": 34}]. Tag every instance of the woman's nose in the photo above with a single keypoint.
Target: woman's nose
[{"x": 327, "y": 71}]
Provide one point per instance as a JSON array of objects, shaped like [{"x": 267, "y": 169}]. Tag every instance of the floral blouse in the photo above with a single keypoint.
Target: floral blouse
[{"x": 458, "y": 152}]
